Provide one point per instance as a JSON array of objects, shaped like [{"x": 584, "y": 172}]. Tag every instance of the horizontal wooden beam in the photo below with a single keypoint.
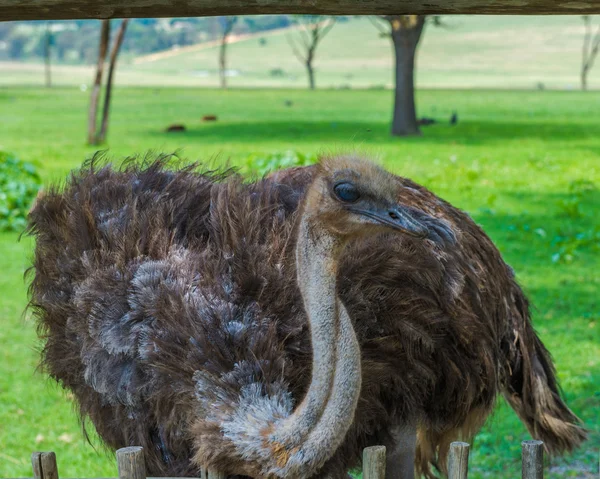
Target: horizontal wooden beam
[{"x": 80, "y": 9}]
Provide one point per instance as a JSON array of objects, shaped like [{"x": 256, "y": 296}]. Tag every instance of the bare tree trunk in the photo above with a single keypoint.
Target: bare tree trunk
[
  {"x": 312, "y": 29},
  {"x": 587, "y": 38},
  {"x": 95, "y": 96},
  {"x": 311, "y": 75},
  {"x": 228, "y": 24},
  {"x": 310, "y": 56},
  {"x": 405, "y": 40},
  {"x": 47, "y": 55},
  {"x": 591, "y": 46},
  {"x": 584, "y": 74},
  {"x": 111, "y": 70},
  {"x": 405, "y": 114},
  {"x": 223, "y": 61}
]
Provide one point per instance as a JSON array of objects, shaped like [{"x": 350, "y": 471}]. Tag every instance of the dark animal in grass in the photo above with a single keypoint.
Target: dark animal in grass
[
  {"x": 209, "y": 118},
  {"x": 454, "y": 118},
  {"x": 426, "y": 121},
  {"x": 175, "y": 128},
  {"x": 172, "y": 306}
]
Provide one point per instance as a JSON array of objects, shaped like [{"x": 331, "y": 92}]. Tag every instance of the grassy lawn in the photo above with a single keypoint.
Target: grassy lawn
[{"x": 525, "y": 165}]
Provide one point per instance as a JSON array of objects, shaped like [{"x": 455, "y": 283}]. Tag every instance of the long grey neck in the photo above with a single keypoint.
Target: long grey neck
[{"x": 319, "y": 424}]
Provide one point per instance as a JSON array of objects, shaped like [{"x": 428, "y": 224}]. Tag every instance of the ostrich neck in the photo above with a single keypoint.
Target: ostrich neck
[
  {"x": 319, "y": 424},
  {"x": 316, "y": 261}
]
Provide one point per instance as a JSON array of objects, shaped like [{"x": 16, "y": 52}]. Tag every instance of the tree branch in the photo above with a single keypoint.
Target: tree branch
[
  {"x": 438, "y": 22},
  {"x": 95, "y": 95},
  {"x": 295, "y": 49},
  {"x": 586, "y": 39},
  {"x": 377, "y": 22},
  {"x": 304, "y": 34},
  {"x": 101, "y": 136},
  {"x": 325, "y": 27},
  {"x": 594, "y": 51},
  {"x": 228, "y": 25}
]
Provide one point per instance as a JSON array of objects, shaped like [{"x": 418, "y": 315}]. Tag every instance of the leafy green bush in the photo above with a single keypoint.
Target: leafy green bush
[
  {"x": 19, "y": 185},
  {"x": 260, "y": 165}
]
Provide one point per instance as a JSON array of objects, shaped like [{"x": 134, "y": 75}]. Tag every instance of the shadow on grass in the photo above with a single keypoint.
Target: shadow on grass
[{"x": 467, "y": 132}]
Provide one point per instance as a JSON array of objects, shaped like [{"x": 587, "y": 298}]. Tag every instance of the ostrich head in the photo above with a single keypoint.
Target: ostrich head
[{"x": 351, "y": 197}]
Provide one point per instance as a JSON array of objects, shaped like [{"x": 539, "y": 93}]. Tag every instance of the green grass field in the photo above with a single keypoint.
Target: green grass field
[
  {"x": 501, "y": 52},
  {"x": 525, "y": 165}
]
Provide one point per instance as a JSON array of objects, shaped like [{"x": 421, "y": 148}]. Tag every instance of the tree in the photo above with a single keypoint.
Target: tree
[
  {"x": 95, "y": 135},
  {"x": 111, "y": 70},
  {"x": 405, "y": 32},
  {"x": 95, "y": 95},
  {"x": 47, "y": 44},
  {"x": 227, "y": 24},
  {"x": 311, "y": 30},
  {"x": 590, "y": 50}
]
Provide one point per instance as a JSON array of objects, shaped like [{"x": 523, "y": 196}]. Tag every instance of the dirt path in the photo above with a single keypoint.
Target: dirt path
[{"x": 152, "y": 57}]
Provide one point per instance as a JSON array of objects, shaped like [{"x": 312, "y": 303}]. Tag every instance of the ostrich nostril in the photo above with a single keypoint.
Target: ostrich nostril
[{"x": 394, "y": 216}]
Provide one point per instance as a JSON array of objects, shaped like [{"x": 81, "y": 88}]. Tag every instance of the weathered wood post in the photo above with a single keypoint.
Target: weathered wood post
[
  {"x": 533, "y": 460},
  {"x": 44, "y": 465},
  {"x": 130, "y": 462},
  {"x": 374, "y": 462},
  {"x": 458, "y": 462},
  {"x": 211, "y": 474}
]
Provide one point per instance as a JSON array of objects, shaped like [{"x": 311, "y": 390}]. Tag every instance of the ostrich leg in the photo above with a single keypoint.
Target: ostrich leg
[{"x": 400, "y": 457}]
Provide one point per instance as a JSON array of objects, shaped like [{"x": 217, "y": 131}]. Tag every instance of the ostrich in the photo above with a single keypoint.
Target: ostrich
[
  {"x": 474, "y": 273},
  {"x": 174, "y": 309}
]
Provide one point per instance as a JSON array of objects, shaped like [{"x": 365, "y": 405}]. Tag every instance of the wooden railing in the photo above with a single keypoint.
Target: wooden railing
[{"x": 130, "y": 463}]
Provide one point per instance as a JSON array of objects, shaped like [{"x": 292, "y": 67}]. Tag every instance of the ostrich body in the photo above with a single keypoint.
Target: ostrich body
[
  {"x": 478, "y": 290},
  {"x": 176, "y": 307}
]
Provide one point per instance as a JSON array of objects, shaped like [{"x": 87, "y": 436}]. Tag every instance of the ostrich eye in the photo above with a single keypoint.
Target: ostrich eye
[{"x": 346, "y": 192}]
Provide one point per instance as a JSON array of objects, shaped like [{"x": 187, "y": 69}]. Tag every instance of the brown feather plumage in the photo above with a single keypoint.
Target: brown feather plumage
[{"x": 144, "y": 276}]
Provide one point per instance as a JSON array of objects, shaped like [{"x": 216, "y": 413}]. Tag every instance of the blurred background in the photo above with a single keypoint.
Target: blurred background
[
  {"x": 500, "y": 52},
  {"x": 500, "y": 115}
]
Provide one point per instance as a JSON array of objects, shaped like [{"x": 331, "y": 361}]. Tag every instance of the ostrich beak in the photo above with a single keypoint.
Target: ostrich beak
[{"x": 401, "y": 218}]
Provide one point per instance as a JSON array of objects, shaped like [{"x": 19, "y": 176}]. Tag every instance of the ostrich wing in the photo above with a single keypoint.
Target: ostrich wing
[
  {"x": 111, "y": 253},
  {"x": 147, "y": 317}
]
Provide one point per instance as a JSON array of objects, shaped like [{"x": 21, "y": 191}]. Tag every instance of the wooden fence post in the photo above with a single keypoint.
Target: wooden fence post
[
  {"x": 533, "y": 460},
  {"x": 44, "y": 465},
  {"x": 458, "y": 462},
  {"x": 374, "y": 462},
  {"x": 130, "y": 462},
  {"x": 211, "y": 474}
]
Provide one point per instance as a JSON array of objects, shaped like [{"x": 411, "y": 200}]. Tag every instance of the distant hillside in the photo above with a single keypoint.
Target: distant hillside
[
  {"x": 76, "y": 41},
  {"x": 470, "y": 52}
]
